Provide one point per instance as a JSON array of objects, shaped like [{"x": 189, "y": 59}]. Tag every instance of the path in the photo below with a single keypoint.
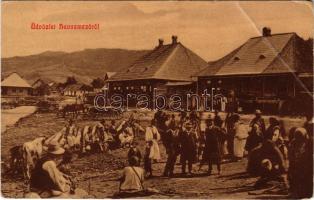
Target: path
[{"x": 11, "y": 116}]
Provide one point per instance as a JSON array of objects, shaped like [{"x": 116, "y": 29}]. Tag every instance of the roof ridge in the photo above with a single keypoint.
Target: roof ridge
[
  {"x": 261, "y": 36},
  {"x": 278, "y": 56},
  {"x": 168, "y": 58}
]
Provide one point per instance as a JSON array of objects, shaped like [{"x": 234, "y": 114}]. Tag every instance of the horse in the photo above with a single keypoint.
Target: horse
[{"x": 73, "y": 108}]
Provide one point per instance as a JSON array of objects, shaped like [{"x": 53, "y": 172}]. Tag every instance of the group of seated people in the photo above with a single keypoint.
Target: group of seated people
[
  {"x": 98, "y": 138},
  {"x": 275, "y": 154}
]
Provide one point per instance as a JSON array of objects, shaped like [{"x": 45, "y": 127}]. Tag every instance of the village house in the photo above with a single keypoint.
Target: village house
[
  {"x": 40, "y": 87},
  {"x": 15, "y": 86},
  {"x": 77, "y": 90},
  {"x": 165, "y": 70},
  {"x": 272, "y": 72}
]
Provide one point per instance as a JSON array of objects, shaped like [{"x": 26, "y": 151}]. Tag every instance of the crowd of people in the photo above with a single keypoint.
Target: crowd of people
[{"x": 273, "y": 153}]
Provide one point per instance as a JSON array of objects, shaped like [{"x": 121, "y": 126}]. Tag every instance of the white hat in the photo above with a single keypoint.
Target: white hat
[{"x": 55, "y": 148}]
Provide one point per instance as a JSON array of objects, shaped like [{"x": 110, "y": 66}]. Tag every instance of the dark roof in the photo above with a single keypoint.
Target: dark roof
[
  {"x": 167, "y": 62},
  {"x": 77, "y": 87},
  {"x": 259, "y": 55},
  {"x": 73, "y": 87}
]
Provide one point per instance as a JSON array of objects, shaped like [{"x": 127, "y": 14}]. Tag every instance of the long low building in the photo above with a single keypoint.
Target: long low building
[
  {"x": 273, "y": 72},
  {"x": 165, "y": 70}
]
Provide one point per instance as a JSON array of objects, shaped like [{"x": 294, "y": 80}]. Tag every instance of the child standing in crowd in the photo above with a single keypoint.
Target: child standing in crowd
[{"x": 147, "y": 159}]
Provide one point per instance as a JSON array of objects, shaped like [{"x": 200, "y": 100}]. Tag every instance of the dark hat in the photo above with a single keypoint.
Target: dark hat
[
  {"x": 188, "y": 124},
  {"x": 134, "y": 161}
]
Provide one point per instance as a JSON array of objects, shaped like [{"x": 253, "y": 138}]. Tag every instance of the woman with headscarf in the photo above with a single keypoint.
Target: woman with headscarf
[
  {"x": 301, "y": 165},
  {"x": 240, "y": 137},
  {"x": 254, "y": 139},
  {"x": 153, "y": 135}
]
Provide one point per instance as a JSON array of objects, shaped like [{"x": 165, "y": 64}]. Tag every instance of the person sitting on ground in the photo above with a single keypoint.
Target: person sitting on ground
[
  {"x": 126, "y": 136},
  {"x": 301, "y": 165},
  {"x": 272, "y": 162},
  {"x": 131, "y": 182},
  {"x": 280, "y": 143},
  {"x": 273, "y": 122},
  {"x": 259, "y": 120},
  {"x": 134, "y": 151},
  {"x": 48, "y": 181},
  {"x": 254, "y": 139}
]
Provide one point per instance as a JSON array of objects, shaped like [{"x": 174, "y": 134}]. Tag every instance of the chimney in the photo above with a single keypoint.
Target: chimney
[
  {"x": 161, "y": 42},
  {"x": 266, "y": 32},
  {"x": 174, "y": 39}
]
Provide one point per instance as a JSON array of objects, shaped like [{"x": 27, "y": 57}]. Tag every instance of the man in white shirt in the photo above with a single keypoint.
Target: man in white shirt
[{"x": 132, "y": 179}]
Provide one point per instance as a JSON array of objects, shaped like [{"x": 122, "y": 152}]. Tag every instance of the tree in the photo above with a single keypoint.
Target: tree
[
  {"x": 98, "y": 83},
  {"x": 70, "y": 80}
]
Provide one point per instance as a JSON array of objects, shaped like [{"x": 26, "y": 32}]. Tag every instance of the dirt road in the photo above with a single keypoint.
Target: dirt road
[{"x": 98, "y": 174}]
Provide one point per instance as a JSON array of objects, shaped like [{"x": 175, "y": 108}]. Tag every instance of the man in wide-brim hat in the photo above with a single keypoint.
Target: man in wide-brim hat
[
  {"x": 47, "y": 180},
  {"x": 188, "y": 141}
]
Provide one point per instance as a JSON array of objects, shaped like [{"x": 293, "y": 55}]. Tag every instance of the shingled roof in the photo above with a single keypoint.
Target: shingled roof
[
  {"x": 167, "y": 62},
  {"x": 276, "y": 53},
  {"x": 15, "y": 80}
]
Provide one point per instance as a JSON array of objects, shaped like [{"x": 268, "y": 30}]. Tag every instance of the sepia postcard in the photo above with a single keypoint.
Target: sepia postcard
[{"x": 157, "y": 99}]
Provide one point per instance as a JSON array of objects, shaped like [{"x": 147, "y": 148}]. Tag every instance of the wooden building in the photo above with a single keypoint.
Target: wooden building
[
  {"x": 268, "y": 72},
  {"x": 40, "y": 87},
  {"x": 164, "y": 67},
  {"x": 15, "y": 86},
  {"x": 77, "y": 90}
]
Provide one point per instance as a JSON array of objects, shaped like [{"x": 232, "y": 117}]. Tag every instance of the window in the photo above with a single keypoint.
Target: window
[{"x": 13, "y": 90}]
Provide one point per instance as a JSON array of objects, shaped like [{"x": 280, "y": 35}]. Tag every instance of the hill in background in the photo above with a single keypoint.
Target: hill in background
[{"x": 83, "y": 65}]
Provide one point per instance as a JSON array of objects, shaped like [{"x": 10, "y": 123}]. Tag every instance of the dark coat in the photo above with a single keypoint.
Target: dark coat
[
  {"x": 253, "y": 141},
  {"x": 269, "y": 150},
  {"x": 214, "y": 138},
  {"x": 260, "y": 122},
  {"x": 188, "y": 145},
  {"x": 172, "y": 144}
]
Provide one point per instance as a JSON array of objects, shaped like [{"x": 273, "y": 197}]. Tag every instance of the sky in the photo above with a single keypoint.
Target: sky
[{"x": 209, "y": 28}]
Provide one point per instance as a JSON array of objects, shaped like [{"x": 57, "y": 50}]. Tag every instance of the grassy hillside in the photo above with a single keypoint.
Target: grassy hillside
[{"x": 84, "y": 65}]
